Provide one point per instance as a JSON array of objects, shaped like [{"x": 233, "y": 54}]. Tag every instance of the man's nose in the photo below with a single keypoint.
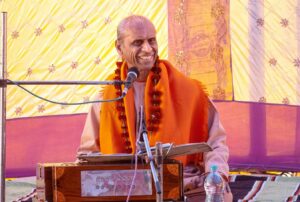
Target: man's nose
[{"x": 146, "y": 47}]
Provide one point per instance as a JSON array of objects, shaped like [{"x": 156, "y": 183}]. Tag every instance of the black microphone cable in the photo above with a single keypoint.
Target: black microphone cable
[
  {"x": 65, "y": 103},
  {"x": 132, "y": 75}
]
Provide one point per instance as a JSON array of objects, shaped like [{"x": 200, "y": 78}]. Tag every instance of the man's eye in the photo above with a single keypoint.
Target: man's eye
[
  {"x": 137, "y": 43},
  {"x": 152, "y": 40}
]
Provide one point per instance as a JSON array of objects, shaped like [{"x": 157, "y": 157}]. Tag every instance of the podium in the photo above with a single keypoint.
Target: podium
[
  {"x": 105, "y": 182},
  {"x": 108, "y": 177}
]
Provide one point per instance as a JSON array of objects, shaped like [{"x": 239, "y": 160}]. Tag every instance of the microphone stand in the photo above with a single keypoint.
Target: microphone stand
[
  {"x": 5, "y": 82},
  {"x": 3, "y": 61},
  {"x": 159, "y": 163},
  {"x": 144, "y": 137}
]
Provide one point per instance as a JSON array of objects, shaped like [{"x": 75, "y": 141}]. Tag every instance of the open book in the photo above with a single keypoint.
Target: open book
[{"x": 169, "y": 151}]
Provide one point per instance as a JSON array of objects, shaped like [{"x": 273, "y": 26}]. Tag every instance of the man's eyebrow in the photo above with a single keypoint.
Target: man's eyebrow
[{"x": 137, "y": 40}]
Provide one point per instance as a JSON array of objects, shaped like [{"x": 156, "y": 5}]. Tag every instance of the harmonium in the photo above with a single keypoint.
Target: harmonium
[
  {"x": 111, "y": 177},
  {"x": 72, "y": 182}
]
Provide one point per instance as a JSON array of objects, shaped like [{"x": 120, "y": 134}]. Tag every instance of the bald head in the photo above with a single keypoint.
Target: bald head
[
  {"x": 136, "y": 44},
  {"x": 133, "y": 22}
]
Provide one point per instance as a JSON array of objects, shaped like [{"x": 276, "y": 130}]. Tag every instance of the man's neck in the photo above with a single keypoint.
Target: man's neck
[{"x": 143, "y": 75}]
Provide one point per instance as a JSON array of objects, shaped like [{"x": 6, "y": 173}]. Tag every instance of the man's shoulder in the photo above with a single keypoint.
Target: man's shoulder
[{"x": 178, "y": 78}]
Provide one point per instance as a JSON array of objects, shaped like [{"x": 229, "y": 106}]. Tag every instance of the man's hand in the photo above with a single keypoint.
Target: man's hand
[{"x": 228, "y": 196}]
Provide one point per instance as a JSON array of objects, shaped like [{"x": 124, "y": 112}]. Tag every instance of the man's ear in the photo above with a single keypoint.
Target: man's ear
[{"x": 118, "y": 47}]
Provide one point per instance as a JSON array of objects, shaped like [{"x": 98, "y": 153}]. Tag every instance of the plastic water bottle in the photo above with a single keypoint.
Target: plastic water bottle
[{"x": 214, "y": 186}]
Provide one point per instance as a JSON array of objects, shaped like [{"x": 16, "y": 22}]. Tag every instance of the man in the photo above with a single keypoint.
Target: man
[{"x": 176, "y": 108}]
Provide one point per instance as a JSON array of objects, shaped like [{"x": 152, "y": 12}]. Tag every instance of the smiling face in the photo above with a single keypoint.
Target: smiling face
[{"x": 137, "y": 44}]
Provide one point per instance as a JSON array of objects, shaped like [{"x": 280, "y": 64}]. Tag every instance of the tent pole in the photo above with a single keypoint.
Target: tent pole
[{"x": 3, "y": 104}]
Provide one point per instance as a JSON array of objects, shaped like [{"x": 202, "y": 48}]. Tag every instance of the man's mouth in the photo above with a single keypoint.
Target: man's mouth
[{"x": 146, "y": 58}]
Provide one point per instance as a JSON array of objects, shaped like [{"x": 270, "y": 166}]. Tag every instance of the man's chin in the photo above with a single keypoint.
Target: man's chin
[{"x": 145, "y": 66}]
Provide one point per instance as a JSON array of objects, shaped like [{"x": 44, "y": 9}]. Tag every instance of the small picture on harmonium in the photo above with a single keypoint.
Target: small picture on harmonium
[{"x": 115, "y": 182}]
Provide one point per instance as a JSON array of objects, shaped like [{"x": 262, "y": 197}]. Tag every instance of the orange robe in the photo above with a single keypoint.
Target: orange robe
[{"x": 184, "y": 107}]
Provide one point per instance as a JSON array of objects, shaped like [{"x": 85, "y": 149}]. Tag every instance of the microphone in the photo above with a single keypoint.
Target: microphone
[{"x": 132, "y": 75}]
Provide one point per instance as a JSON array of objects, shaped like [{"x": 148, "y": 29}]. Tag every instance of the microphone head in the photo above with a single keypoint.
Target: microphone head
[
  {"x": 132, "y": 75},
  {"x": 133, "y": 70}
]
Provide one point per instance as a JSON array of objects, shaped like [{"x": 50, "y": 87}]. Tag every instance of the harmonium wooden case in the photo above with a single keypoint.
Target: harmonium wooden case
[{"x": 73, "y": 182}]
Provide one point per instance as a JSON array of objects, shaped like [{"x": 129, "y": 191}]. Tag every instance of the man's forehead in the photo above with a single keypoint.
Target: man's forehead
[
  {"x": 140, "y": 29},
  {"x": 141, "y": 24}
]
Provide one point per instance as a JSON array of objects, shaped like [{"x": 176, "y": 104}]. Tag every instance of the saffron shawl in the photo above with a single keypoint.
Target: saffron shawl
[{"x": 184, "y": 107}]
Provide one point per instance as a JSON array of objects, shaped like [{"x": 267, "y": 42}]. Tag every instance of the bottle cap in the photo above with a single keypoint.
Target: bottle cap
[{"x": 214, "y": 168}]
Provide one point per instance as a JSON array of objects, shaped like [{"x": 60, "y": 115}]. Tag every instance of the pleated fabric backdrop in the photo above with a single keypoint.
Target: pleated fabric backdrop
[
  {"x": 264, "y": 129},
  {"x": 245, "y": 52}
]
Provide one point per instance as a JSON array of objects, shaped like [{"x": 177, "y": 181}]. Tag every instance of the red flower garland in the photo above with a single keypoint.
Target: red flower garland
[{"x": 155, "y": 111}]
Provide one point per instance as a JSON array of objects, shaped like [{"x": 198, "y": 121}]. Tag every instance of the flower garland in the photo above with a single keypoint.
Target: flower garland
[{"x": 155, "y": 110}]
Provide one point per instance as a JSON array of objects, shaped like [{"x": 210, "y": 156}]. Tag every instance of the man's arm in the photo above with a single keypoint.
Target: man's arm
[
  {"x": 90, "y": 136},
  {"x": 217, "y": 140},
  {"x": 219, "y": 155}
]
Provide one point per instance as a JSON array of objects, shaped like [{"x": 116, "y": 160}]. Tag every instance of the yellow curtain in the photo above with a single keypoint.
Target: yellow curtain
[
  {"x": 266, "y": 51},
  {"x": 199, "y": 43},
  {"x": 67, "y": 40}
]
